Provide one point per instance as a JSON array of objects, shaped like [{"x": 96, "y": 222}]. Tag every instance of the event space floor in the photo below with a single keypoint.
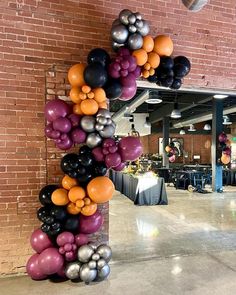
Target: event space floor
[{"x": 187, "y": 247}]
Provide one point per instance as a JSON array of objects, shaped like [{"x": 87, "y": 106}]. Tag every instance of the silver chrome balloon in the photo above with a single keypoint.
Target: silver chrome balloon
[
  {"x": 123, "y": 16},
  {"x": 101, "y": 120},
  {"x": 72, "y": 270},
  {"x": 88, "y": 123},
  {"x": 100, "y": 263},
  {"x": 93, "y": 140},
  {"x": 86, "y": 274},
  {"x": 138, "y": 15},
  {"x": 107, "y": 132},
  {"x": 119, "y": 34},
  {"x": 92, "y": 264},
  {"x": 105, "y": 252},
  {"x": 138, "y": 24},
  {"x": 99, "y": 127},
  {"x": 109, "y": 121},
  {"x": 135, "y": 41},
  {"x": 103, "y": 273},
  {"x": 132, "y": 19},
  {"x": 116, "y": 22},
  {"x": 145, "y": 28},
  {"x": 116, "y": 46},
  {"x": 132, "y": 29},
  {"x": 95, "y": 256},
  {"x": 92, "y": 245},
  {"x": 103, "y": 113},
  {"x": 85, "y": 253}
]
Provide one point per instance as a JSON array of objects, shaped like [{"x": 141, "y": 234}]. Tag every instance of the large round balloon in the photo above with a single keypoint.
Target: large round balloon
[
  {"x": 98, "y": 55},
  {"x": 33, "y": 270},
  {"x": 130, "y": 148},
  {"x": 95, "y": 75},
  {"x": 113, "y": 89},
  {"x": 163, "y": 45},
  {"x": 182, "y": 66},
  {"x": 55, "y": 109},
  {"x": 46, "y": 193},
  {"x": 40, "y": 241},
  {"x": 50, "y": 261},
  {"x": 90, "y": 224},
  {"x": 100, "y": 189},
  {"x": 76, "y": 75}
]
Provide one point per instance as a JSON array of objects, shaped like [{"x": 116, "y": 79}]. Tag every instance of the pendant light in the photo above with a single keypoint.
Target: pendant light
[
  {"x": 194, "y": 5},
  {"x": 182, "y": 131},
  {"x": 154, "y": 98},
  {"x": 207, "y": 127},
  {"x": 226, "y": 120},
  {"x": 192, "y": 128},
  {"x": 176, "y": 114}
]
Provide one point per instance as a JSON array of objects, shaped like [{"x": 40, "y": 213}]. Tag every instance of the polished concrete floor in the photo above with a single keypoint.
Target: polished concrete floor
[{"x": 187, "y": 247}]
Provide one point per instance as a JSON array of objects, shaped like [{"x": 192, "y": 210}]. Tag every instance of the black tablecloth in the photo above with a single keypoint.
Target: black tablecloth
[{"x": 142, "y": 190}]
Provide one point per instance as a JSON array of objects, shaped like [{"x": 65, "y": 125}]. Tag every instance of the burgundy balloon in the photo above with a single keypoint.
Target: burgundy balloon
[
  {"x": 222, "y": 137},
  {"x": 112, "y": 160},
  {"x": 50, "y": 132},
  {"x": 50, "y": 261},
  {"x": 98, "y": 155},
  {"x": 123, "y": 51},
  {"x": 108, "y": 142},
  {"x": 32, "y": 268},
  {"x": 90, "y": 224},
  {"x": 81, "y": 239},
  {"x": 78, "y": 135},
  {"x": 65, "y": 238},
  {"x": 39, "y": 241},
  {"x": 61, "y": 272},
  {"x": 128, "y": 81},
  {"x": 132, "y": 63},
  {"x": 64, "y": 143},
  {"x": 128, "y": 92},
  {"x": 227, "y": 151},
  {"x": 105, "y": 151},
  {"x": 119, "y": 167},
  {"x": 113, "y": 72},
  {"x": 137, "y": 72},
  {"x": 74, "y": 119},
  {"x": 55, "y": 109},
  {"x": 62, "y": 124},
  {"x": 130, "y": 148},
  {"x": 113, "y": 149}
]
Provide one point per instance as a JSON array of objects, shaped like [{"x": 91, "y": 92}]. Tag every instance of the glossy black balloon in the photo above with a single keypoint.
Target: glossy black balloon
[
  {"x": 85, "y": 150},
  {"x": 180, "y": 71},
  {"x": 152, "y": 79},
  {"x": 69, "y": 162},
  {"x": 73, "y": 174},
  {"x": 86, "y": 160},
  {"x": 84, "y": 178},
  {"x": 184, "y": 61},
  {"x": 46, "y": 193},
  {"x": 98, "y": 55},
  {"x": 176, "y": 84},
  {"x": 165, "y": 73},
  {"x": 100, "y": 169},
  {"x": 95, "y": 75},
  {"x": 167, "y": 82},
  {"x": 72, "y": 224},
  {"x": 49, "y": 220},
  {"x": 59, "y": 213},
  {"x": 166, "y": 62},
  {"x": 45, "y": 227},
  {"x": 42, "y": 213},
  {"x": 113, "y": 89}
]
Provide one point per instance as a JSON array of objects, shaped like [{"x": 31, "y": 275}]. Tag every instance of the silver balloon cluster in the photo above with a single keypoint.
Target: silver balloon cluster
[
  {"x": 98, "y": 127},
  {"x": 129, "y": 29},
  {"x": 92, "y": 263}
]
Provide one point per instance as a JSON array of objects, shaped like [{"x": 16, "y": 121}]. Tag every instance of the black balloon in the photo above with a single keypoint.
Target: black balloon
[
  {"x": 98, "y": 55},
  {"x": 69, "y": 162},
  {"x": 42, "y": 213},
  {"x": 166, "y": 62},
  {"x": 45, "y": 228},
  {"x": 176, "y": 84},
  {"x": 86, "y": 159},
  {"x": 45, "y": 194},
  {"x": 152, "y": 79},
  {"x": 95, "y": 75},
  {"x": 72, "y": 224},
  {"x": 100, "y": 169},
  {"x": 182, "y": 66},
  {"x": 180, "y": 71},
  {"x": 84, "y": 178},
  {"x": 113, "y": 89},
  {"x": 59, "y": 213},
  {"x": 85, "y": 150},
  {"x": 167, "y": 82}
]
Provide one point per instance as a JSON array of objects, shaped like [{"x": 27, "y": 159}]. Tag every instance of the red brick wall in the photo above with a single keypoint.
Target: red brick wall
[{"x": 34, "y": 35}]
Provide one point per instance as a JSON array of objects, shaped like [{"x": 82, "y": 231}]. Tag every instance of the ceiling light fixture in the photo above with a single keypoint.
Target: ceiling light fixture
[
  {"x": 226, "y": 120},
  {"x": 207, "y": 127},
  {"x": 176, "y": 114},
  {"x": 182, "y": 131},
  {"x": 220, "y": 96},
  {"x": 153, "y": 100},
  {"x": 191, "y": 128}
]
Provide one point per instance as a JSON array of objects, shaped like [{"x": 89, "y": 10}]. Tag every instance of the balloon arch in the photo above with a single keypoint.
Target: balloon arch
[{"x": 69, "y": 212}]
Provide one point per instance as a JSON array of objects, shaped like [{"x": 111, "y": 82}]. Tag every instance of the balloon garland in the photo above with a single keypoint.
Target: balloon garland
[
  {"x": 70, "y": 212},
  {"x": 224, "y": 149}
]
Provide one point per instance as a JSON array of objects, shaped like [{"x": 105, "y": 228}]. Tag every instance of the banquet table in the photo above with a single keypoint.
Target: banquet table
[{"x": 142, "y": 190}]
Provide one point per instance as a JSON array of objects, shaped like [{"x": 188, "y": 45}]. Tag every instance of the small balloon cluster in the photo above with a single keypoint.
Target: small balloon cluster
[
  {"x": 91, "y": 263},
  {"x": 224, "y": 149},
  {"x": 172, "y": 152}
]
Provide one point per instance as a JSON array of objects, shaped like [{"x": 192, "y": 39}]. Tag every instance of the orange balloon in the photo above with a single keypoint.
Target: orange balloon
[
  {"x": 147, "y": 66},
  {"x": 68, "y": 182},
  {"x": 77, "y": 109},
  {"x": 79, "y": 203},
  {"x": 76, "y": 193},
  {"x": 75, "y": 94},
  {"x": 72, "y": 209},
  {"x": 89, "y": 209},
  {"x": 59, "y": 197},
  {"x": 82, "y": 96},
  {"x": 103, "y": 105},
  {"x": 167, "y": 149},
  {"x": 141, "y": 56},
  {"x": 153, "y": 60},
  {"x": 151, "y": 72},
  {"x": 225, "y": 159},
  {"x": 89, "y": 106},
  {"x": 145, "y": 74},
  {"x": 228, "y": 143},
  {"x": 87, "y": 201},
  {"x": 76, "y": 75},
  {"x": 86, "y": 89},
  {"x": 90, "y": 94},
  {"x": 163, "y": 45},
  {"x": 148, "y": 43},
  {"x": 99, "y": 95},
  {"x": 100, "y": 189}
]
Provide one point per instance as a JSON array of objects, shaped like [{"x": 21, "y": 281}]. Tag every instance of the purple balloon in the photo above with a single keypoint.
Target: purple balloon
[
  {"x": 62, "y": 124},
  {"x": 113, "y": 149},
  {"x": 222, "y": 137},
  {"x": 50, "y": 261},
  {"x": 128, "y": 81},
  {"x": 124, "y": 73},
  {"x": 74, "y": 119},
  {"x": 61, "y": 272},
  {"x": 78, "y": 135},
  {"x": 119, "y": 167},
  {"x": 112, "y": 160},
  {"x": 81, "y": 239},
  {"x": 39, "y": 241},
  {"x": 137, "y": 72},
  {"x": 51, "y": 133},
  {"x": 64, "y": 143},
  {"x": 125, "y": 64},
  {"x": 105, "y": 151},
  {"x": 132, "y": 63},
  {"x": 123, "y": 51},
  {"x": 112, "y": 72},
  {"x": 90, "y": 224},
  {"x": 130, "y": 148},
  {"x": 227, "y": 151},
  {"x": 32, "y": 268},
  {"x": 98, "y": 155},
  {"x": 116, "y": 66},
  {"x": 65, "y": 238},
  {"x": 55, "y": 109},
  {"x": 70, "y": 256},
  {"x": 128, "y": 92},
  {"x": 108, "y": 142}
]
